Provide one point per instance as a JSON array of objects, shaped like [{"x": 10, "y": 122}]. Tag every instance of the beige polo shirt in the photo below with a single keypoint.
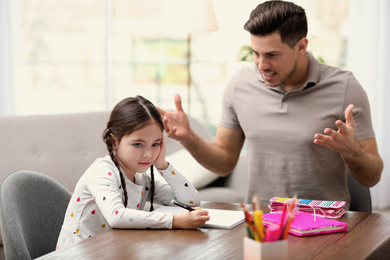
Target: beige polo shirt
[{"x": 279, "y": 130}]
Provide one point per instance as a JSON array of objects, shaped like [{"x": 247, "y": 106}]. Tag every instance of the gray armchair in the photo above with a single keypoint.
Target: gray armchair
[
  {"x": 360, "y": 196},
  {"x": 32, "y": 210}
]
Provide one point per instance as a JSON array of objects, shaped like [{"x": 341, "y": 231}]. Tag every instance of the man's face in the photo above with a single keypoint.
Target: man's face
[{"x": 275, "y": 60}]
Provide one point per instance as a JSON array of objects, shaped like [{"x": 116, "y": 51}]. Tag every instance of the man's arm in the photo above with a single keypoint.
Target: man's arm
[
  {"x": 219, "y": 156},
  {"x": 365, "y": 164},
  {"x": 361, "y": 157}
]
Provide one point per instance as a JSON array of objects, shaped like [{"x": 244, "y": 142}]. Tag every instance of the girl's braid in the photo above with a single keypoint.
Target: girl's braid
[
  {"x": 151, "y": 188},
  {"x": 107, "y": 139}
]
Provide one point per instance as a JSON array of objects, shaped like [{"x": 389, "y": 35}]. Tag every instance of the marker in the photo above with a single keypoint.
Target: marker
[
  {"x": 175, "y": 202},
  {"x": 272, "y": 234}
]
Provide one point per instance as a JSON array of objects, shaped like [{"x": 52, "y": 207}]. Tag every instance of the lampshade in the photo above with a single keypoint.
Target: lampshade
[{"x": 188, "y": 17}]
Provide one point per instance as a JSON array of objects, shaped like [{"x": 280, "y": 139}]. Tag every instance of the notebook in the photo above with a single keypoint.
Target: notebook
[
  {"x": 219, "y": 218},
  {"x": 305, "y": 224}
]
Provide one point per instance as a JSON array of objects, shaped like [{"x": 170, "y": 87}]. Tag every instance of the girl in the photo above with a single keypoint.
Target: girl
[{"x": 114, "y": 189}]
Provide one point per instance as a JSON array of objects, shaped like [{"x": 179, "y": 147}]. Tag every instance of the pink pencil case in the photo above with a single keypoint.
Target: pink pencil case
[
  {"x": 304, "y": 224},
  {"x": 321, "y": 208}
]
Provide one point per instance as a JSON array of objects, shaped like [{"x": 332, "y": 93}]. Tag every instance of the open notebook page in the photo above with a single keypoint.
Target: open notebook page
[{"x": 219, "y": 218}]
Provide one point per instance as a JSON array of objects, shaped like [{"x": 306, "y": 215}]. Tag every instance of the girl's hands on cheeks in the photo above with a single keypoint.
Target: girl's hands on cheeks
[
  {"x": 190, "y": 219},
  {"x": 160, "y": 162}
]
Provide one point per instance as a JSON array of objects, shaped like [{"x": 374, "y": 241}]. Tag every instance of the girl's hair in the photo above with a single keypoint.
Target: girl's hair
[
  {"x": 285, "y": 18},
  {"x": 129, "y": 115}
]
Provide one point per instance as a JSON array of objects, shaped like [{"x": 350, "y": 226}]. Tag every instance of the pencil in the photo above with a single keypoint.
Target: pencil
[
  {"x": 284, "y": 228},
  {"x": 282, "y": 220},
  {"x": 250, "y": 234},
  {"x": 287, "y": 227},
  {"x": 175, "y": 202},
  {"x": 292, "y": 204},
  {"x": 258, "y": 218},
  {"x": 249, "y": 223},
  {"x": 256, "y": 202}
]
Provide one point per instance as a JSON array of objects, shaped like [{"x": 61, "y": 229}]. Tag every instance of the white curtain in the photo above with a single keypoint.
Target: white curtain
[
  {"x": 368, "y": 58},
  {"x": 6, "y": 89}
]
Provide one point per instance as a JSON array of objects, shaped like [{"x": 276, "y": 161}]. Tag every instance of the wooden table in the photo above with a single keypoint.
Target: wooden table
[{"x": 368, "y": 237}]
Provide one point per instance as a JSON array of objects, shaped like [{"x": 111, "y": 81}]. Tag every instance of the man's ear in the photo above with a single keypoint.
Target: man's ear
[{"x": 302, "y": 45}]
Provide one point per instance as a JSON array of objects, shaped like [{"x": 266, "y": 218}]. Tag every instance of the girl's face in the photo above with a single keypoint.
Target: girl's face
[{"x": 137, "y": 151}]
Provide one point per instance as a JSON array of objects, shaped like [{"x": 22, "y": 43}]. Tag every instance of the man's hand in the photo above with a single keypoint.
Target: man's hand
[
  {"x": 176, "y": 123},
  {"x": 343, "y": 140},
  {"x": 361, "y": 157}
]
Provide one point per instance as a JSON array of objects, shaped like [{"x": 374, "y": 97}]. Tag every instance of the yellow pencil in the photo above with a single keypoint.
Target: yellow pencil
[{"x": 258, "y": 218}]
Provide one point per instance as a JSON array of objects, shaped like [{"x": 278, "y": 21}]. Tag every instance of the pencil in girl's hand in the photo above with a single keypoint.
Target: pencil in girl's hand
[{"x": 175, "y": 202}]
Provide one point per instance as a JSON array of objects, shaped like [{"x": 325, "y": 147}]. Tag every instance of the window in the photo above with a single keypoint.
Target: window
[{"x": 78, "y": 56}]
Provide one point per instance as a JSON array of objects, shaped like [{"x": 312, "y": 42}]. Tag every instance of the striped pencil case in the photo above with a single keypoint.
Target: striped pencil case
[{"x": 321, "y": 208}]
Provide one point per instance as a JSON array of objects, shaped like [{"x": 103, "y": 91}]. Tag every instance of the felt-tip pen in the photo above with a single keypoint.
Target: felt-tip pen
[{"x": 175, "y": 202}]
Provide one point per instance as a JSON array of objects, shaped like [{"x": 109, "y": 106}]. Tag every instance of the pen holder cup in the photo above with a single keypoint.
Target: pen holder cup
[{"x": 254, "y": 250}]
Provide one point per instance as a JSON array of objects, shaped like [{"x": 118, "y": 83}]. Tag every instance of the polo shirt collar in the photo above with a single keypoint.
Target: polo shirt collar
[{"x": 313, "y": 75}]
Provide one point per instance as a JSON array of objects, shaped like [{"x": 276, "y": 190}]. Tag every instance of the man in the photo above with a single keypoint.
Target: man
[{"x": 278, "y": 107}]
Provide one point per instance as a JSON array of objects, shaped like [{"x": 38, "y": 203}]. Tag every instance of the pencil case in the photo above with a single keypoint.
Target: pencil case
[
  {"x": 304, "y": 224},
  {"x": 321, "y": 208}
]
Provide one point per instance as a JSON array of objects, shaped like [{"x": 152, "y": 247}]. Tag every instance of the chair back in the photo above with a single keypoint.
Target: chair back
[
  {"x": 360, "y": 195},
  {"x": 32, "y": 211}
]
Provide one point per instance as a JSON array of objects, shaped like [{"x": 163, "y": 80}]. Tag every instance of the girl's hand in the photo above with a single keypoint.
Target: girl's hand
[
  {"x": 160, "y": 162},
  {"x": 190, "y": 219}
]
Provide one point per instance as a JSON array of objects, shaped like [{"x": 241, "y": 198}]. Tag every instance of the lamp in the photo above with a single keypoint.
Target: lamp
[{"x": 188, "y": 17}]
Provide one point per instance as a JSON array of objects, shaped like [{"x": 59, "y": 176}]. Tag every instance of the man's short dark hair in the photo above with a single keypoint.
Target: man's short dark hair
[{"x": 285, "y": 18}]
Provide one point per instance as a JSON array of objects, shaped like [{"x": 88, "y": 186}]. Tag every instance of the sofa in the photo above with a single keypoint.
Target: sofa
[{"x": 63, "y": 146}]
